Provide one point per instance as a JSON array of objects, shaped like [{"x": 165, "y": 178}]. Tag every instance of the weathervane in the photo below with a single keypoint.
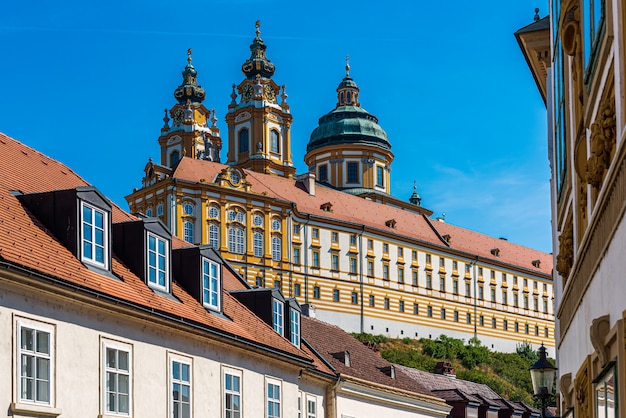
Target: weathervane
[
  {"x": 257, "y": 25},
  {"x": 189, "y": 56}
]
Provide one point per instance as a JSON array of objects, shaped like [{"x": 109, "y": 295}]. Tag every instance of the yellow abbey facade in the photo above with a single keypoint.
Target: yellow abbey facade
[{"x": 334, "y": 237}]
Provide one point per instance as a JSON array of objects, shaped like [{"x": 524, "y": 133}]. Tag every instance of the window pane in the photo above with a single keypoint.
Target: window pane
[
  {"x": 43, "y": 368},
  {"x": 43, "y": 391},
  {"x": 43, "y": 342}
]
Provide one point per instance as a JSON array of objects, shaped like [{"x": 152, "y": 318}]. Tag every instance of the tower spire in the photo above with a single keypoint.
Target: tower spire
[
  {"x": 189, "y": 89},
  {"x": 258, "y": 62}
]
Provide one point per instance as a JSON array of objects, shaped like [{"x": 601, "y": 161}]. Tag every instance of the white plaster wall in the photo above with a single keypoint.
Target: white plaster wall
[
  {"x": 349, "y": 406},
  {"x": 79, "y": 329},
  {"x": 606, "y": 295}
]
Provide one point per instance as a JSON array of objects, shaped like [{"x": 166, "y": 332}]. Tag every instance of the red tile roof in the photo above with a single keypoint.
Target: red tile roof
[
  {"x": 25, "y": 242},
  {"x": 365, "y": 364},
  {"x": 374, "y": 215}
]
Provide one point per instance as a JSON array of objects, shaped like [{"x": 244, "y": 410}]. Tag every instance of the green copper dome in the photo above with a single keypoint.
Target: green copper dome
[{"x": 348, "y": 125}]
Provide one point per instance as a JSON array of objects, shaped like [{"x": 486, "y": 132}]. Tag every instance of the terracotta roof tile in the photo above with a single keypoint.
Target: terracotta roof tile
[
  {"x": 25, "y": 242},
  {"x": 440, "y": 382},
  {"x": 374, "y": 215},
  {"x": 365, "y": 364}
]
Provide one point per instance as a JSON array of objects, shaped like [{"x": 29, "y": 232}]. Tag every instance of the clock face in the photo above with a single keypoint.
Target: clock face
[
  {"x": 246, "y": 93},
  {"x": 269, "y": 92},
  {"x": 179, "y": 115}
]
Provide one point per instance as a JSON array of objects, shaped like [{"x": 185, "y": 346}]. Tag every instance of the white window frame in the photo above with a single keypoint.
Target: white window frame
[
  {"x": 165, "y": 270},
  {"x": 25, "y": 404},
  {"x": 311, "y": 406},
  {"x": 275, "y": 400},
  {"x": 257, "y": 243},
  {"x": 188, "y": 231},
  {"x": 278, "y": 316},
  {"x": 227, "y": 371},
  {"x": 236, "y": 239},
  {"x": 118, "y": 346},
  {"x": 172, "y": 380},
  {"x": 214, "y": 235},
  {"x": 211, "y": 284},
  {"x": 277, "y": 250},
  {"x": 294, "y": 327},
  {"x": 92, "y": 242}
]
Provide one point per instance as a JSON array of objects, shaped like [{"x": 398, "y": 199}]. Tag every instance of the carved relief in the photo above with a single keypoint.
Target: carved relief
[
  {"x": 243, "y": 116},
  {"x": 571, "y": 37},
  {"x": 602, "y": 142},
  {"x": 582, "y": 388},
  {"x": 599, "y": 329},
  {"x": 565, "y": 258}
]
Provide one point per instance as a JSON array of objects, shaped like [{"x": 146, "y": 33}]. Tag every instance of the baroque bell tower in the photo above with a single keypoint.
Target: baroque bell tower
[
  {"x": 259, "y": 128},
  {"x": 189, "y": 128}
]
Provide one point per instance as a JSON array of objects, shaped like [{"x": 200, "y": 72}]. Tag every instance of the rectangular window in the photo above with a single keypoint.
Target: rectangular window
[
  {"x": 480, "y": 271},
  {"x": 493, "y": 294},
  {"x": 158, "y": 262},
  {"x": 316, "y": 292},
  {"x": 400, "y": 274},
  {"x": 415, "y": 277},
  {"x": 294, "y": 327},
  {"x": 355, "y": 298},
  {"x": 467, "y": 268},
  {"x": 335, "y": 295},
  {"x": 334, "y": 236},
  {"x": 257, "y": 244},
  {"x": 429, "y": 311},
  {"x": 429, "y": 281},
  {"x": 468, "y": 318},
  {"x": 443, "y": 313},
  {"x": 525, "y": 302},
  {"x": 232, "y": 394},
  {"x": 311, "y": 407},
  {"x": 442, "y": 283},
  {"x": 481, "y": 320},
  {"x": 352, "y": 239},
  {"x": 211, "y": 284},
  {"x": 456, "y": 316},
  {"x": 526, "y": 328},
  {"x": 401, "y": 306},
  {"x": 296, "y": 229},
  {"x": 442, "y": 262},
  {"x": 493, "y": 322},
  {"x": 481, "y": 292},
  {"x": 606, "y": 395},
  {"x": 414, "y": 255},
  {"x": 468, "y": 290},
  {"x": 545, "y": 306},
  {"x": 353, "y": 265},
  {"x": 322, "y": 172},
  {"x": 372, "y": 301},
  {"x": 334, "y": 262},
  {"x": 536, "y": 330},
  {"x": 353, "y": 172},
  {"x": 505, "y": 324},
  {"x": 455, "y": 287},
  {"x": 95, "y": 234},
  {"x": 316, "y": 259},
  {"x": 259, "y": 282},
  {"x": 116, "y": 377},
  {"x": 297, "y": 289},
  {"x": 400, "y": 252},
  {"x": 504, "y": 297},
  {"x": 273, "y": 399},
  {"x": 370, "y": 244},
  {"x": 416, "y": 309},
  {"x": 385, "y": 248},
  {"x": 180, "y": 389},
  {"x": 455, "y": 265},
  {"x": 316, "y": 233},
  {"x": 296, "y": 256},
  {"x": 277, "y": 316},
  {"x": 386, "y": 303},
  {"x": 370, "y": 268},
  {"x": 515, "y": 300},
  {"x": 546, "y": 332},
  {"x": 493, "y": 274},
  {"x": 35, "y": 350},
  {"x": 380, "y": 176},
  {"x": 385, "y": 271},
  {"x": 517, "y": 327},
  {"x": 536, "y": 303}
]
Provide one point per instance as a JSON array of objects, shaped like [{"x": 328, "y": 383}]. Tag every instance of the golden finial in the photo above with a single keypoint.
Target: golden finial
[
  {"x": 347, "y": 65},
  {"x": 189, "y": 56},
  {"x": 257, "y": 25}
]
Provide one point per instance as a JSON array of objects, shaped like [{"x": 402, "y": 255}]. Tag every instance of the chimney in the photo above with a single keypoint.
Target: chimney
[
  {"x": 445, "y": 368},
  {"x": 308, "y": 181},
  {"x": 308, "y": 310}
]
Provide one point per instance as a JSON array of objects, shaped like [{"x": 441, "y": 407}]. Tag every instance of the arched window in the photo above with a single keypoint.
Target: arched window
[
  {"x": 214, "y": 236},
  {"x": 188, "y": 231},
  {"x": 276, "y": 249},
  {"x": 275, "y": 224},
  {"x": 257, "y": 238},
  {"x": 159, "y": 209},
  {"x": 149, "y": 212},
  {"x": 274, "y": 139},
  {"x": 244, "y": 140},
  {"x": 174, "y": 158},
  {"x": 236, "y": 239},
  {"x": 257, "y": 220},
  {"x": 214, "y": 212}
]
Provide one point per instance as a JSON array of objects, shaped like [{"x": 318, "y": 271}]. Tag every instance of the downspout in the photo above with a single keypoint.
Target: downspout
[{"x": 361, "y": 286}]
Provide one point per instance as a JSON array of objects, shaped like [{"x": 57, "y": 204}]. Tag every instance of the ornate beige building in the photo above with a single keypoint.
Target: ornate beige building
[
  {"x": 334, "y": 236},
  {"x": 577, "y": 56}
]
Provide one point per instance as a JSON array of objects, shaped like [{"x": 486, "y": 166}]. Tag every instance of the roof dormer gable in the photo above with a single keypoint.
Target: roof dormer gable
[
  {"x": 145, "y": 247},
  {"x": 199, "y": 270},
  {"x": 80, "y": 219},
  {"x": 267, "y": 304}
]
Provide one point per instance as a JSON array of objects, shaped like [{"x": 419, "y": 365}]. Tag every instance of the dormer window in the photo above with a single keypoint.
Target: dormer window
[
  {"x": 495, "y": 252},
  {"x": 294, "y": 327},
  {"x": 211, "y": 284},
  {"x": 158, "y": 262},
  {"x": 277, "y": 316},
  {"x": 94, "y": 235},
  {"x": 326, "y": 207}
]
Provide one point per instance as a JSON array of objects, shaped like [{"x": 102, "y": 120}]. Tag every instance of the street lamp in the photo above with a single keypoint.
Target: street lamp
[{"x": 542, "y": 375}]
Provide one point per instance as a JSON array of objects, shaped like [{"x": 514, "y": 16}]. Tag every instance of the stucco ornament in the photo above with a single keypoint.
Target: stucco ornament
[
  {"x": 565, "y": 258},
  {"x": 602, "y": 142}
]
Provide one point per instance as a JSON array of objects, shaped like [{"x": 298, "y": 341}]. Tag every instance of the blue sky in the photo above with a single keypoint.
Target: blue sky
[{"x": 86, "y": 83}]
